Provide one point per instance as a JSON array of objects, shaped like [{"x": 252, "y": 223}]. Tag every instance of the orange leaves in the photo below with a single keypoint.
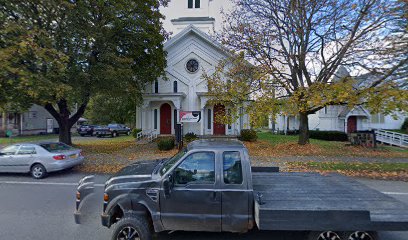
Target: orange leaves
[
  {"x": 386, "y": 171},
  {"x": 265, "y": 149}
]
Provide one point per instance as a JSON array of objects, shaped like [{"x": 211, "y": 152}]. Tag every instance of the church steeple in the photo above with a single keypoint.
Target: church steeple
[{"x": 203, "y": 14}]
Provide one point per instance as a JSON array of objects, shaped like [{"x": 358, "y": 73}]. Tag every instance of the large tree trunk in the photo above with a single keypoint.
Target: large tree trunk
[
  {"x": 65, "y": 122},
  {"x": 3, "y": 123},
  {"x": 65, "y": 130},
  {"x": 303, "y": 128}
]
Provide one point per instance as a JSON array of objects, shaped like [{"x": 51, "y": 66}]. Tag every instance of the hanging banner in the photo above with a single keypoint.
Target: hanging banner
[{"x": 190, "y": 116}]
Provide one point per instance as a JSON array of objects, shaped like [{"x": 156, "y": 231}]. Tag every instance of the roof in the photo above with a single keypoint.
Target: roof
[
  {"x": 215, "y": 144},
  {"x": 191, "y": 29},
  {"x": 193, "y": 19}
]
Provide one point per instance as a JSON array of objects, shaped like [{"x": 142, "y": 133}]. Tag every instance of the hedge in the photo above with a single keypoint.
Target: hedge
[
  {"x": 329, "y": 135},
  {"x": 189, "y": 137},
  {"x": 248, "y": 135},
  {"x": 165, "y": 144}
]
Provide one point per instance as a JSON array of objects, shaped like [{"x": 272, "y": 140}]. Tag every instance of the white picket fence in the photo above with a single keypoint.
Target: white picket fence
[
  {"x": 392, "y": 138},
  {"x": 149, "y": 135}
]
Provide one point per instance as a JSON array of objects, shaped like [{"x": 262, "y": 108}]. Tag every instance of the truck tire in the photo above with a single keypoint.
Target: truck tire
[
  {"x": 114, "y": 134},
  {"x": 327, "y": 235},
  {"x": 131, "y": 228},
  {"x": 360, "y": 235},
  {"x": 38, "y": 171}
]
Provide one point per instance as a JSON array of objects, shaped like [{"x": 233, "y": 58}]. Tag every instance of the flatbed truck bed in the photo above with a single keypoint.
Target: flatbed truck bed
[{"x": 310, "y": 201}]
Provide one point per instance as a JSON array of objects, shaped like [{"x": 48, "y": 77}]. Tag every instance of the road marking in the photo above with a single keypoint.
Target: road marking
[
  {"x": 395, "y": 193},
  {"x": 48, "y": 183}
]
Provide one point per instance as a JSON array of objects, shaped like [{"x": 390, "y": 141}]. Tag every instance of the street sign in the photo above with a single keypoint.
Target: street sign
[{"x": 9, "y": 133}]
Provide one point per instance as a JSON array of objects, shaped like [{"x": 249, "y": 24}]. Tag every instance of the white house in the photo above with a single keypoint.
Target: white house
[
  {"x": 342, "y": 118},
  {"x": 190, "y": 52}
]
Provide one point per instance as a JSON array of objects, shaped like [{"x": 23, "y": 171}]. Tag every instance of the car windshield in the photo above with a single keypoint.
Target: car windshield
[
  {"x": 169, "y": 163},
  {"x": 56, "y": 147}
]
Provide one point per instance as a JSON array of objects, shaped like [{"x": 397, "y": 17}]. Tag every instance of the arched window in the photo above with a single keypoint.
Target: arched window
[
  {"x": 156, "y": 86},
  {"x": 175, "y": 89}
]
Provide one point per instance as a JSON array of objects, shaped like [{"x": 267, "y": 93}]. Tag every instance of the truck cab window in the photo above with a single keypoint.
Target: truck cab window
[
  {"x": 198, "y": 167},
  {"x": 232, "y": 168}
]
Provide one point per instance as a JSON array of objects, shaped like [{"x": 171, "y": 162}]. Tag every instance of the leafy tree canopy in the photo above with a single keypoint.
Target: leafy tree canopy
[
  {"x": 59, "y": 53},
  {"x": 299, "y": 47}
]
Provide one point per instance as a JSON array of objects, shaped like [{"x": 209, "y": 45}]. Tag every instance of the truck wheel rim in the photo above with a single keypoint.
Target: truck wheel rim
[
  {"x": 37, "y": 172},
  {"x": 360, "y": 236},
  {"x": 329, "y": 235},
  {"x": 128, "y": 233}
]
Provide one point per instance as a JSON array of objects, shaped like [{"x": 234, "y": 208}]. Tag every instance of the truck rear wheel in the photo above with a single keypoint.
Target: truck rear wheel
[
  {"x": 132, "y": 228},
  {"x": 328, "y": 235},
  {"x": 360, "y": 235}
]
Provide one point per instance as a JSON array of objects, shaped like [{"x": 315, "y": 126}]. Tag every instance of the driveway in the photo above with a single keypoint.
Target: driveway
[{"x": 32, "y": 209}]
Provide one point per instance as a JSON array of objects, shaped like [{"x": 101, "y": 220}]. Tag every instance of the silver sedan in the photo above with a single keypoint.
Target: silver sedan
[{"x": 39, "y": 158}]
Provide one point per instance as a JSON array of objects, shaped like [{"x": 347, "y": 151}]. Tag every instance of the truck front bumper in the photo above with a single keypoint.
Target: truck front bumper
[
  {"x": 105, "y": 218},
  {"x": 84, "y": 190}
]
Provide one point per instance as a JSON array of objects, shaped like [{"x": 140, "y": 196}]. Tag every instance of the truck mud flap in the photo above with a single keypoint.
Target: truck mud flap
[{"x": 85, "y": 189}]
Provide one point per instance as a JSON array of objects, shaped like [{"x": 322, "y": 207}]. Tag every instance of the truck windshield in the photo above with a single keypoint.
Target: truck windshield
[{"x": 167, "y": 165}]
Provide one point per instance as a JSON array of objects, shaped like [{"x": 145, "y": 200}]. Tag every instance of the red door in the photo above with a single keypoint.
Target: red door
[
  {"x": 352, "y": 124},
  {"x": 219, "y": 129},
  {"x": 165, "y": 119}
]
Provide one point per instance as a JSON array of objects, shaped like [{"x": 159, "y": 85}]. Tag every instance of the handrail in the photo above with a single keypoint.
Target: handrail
[{"x": 392, "y": 138}]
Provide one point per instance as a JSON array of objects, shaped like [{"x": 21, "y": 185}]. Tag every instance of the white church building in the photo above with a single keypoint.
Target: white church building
[{"x": 190, "y": 51}]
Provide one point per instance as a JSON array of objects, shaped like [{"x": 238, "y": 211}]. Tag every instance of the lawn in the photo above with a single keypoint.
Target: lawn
[
  {"x": 33, "y": 138},
  {"x": 269, "y": 144}
]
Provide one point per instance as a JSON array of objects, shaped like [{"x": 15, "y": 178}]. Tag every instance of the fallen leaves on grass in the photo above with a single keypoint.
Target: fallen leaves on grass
[
  {"x": 263, "y": 148},
  {"x": 111, "y": 157},
  {"x": 384, "y": 171}
]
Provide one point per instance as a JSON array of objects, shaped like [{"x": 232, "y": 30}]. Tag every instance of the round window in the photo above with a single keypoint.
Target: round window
[{"x": 192, "y": 65}]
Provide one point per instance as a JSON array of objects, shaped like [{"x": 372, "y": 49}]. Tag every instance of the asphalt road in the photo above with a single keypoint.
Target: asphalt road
[{"x": 43, "y": 209}]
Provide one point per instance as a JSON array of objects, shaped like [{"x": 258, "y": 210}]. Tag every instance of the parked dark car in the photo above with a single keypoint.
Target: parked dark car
[
  {"x": 112, "y": 130},
  {"x": 84, "y": 130},
  {"x": 211, "y": 186}
]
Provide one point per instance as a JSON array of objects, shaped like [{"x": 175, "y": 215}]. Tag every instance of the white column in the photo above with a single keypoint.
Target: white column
[{"x": 202, "y": 122}]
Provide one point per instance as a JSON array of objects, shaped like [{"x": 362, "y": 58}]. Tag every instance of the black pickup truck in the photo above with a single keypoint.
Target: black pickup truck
[
  {"x": 112, "y": 130},
  {"x": 210, "y": 186}
]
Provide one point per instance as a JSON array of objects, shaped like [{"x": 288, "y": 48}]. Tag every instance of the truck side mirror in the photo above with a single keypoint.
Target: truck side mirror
[
  {"x": 166, "y": 188},
  {"x": 167, "y": 185}
]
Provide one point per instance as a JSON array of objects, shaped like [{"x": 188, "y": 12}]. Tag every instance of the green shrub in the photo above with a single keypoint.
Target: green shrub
[
  {"x": 135, "y": 131},
  {"x": 248, "y": 135},
  {"x": 329, "y": 135},
  {"x": 404, "y": 126},
  {"x": 165, "y": 144},
  {"x": 189, "y": 137}
]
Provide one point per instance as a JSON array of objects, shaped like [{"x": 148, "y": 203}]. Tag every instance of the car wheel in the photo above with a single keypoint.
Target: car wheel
[
  {"x": 82, "y": 135},
  {"x": 38, "y": 171},
  {"x": 98, "y": 136},
  {"x": 132, "y": 228},
  {"x": 114, "y": 134},
  {"x": 128, "y": 133}
]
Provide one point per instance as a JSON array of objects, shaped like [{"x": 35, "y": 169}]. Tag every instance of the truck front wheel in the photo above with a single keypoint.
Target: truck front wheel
[{"x": 132, "y": 228}]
